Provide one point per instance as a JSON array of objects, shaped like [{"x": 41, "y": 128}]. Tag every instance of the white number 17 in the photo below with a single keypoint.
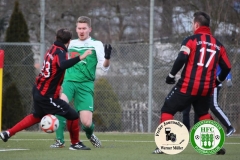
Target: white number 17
[{"x": 203, "y": 51}]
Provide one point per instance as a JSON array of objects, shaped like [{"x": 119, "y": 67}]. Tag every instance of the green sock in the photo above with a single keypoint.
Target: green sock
[
  {"x": 88, "y": 130},
  {"x": 61, "y": 128}
]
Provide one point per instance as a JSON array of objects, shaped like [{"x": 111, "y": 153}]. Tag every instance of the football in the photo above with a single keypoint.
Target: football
[{"x": 49, "y": 123}]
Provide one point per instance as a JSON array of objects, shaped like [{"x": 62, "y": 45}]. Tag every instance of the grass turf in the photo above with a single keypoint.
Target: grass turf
[{"x": 116, "y": 146}]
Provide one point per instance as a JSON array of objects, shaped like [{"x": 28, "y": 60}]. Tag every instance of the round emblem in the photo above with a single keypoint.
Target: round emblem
[
  {"x": 207, "y": 137},
  {"x": 171, "y": 137}
]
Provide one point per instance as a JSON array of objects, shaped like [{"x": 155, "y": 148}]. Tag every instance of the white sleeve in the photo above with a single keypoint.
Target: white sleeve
[
  {"x": 100, "y": 56},
  {"x": 69, "y": 46}
]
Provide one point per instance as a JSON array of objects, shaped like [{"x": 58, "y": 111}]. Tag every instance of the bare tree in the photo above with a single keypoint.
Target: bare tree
[{"x": 127, "y": 20}]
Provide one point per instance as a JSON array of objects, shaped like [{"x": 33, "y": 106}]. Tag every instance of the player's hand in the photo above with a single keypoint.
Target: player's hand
[
  {"x": 108, "y": 51},
  {"x": 229, "y": 83},
  {"x": 85, "y": 54},
  {"x": 170, "y": 79}
]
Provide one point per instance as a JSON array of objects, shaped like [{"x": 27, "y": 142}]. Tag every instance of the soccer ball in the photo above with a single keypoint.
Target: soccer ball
[{"x": 49, "y": 123}]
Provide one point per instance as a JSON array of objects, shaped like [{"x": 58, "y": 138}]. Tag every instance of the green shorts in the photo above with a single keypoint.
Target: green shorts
[{"x": 81, "y": 93}]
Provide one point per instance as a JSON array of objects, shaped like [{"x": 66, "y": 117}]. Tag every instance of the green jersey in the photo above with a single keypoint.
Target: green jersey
[{"x": 85, "y": 70}]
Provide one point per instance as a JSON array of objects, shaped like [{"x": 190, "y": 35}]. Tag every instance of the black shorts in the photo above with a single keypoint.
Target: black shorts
[
  {"x": 47, "y": 105},
  {"x": 177, "y": 101}
]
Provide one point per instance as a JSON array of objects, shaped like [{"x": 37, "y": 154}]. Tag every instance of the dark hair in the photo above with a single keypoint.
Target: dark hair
[
  {"x": 63, "y": 35},
  {"x": 202, "y": 18}
]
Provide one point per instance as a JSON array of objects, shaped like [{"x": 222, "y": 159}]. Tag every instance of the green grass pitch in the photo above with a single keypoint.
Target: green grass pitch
[{"x": 116, "y": 146}]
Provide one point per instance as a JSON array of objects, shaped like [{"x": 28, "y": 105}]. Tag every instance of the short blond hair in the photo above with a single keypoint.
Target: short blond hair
[{"x": 84, "y": 19}]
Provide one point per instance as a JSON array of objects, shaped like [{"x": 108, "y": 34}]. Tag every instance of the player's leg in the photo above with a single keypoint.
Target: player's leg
[
  {"x": 60, "y": 143},
  {"x": 72, "y": 123},
  {"x": 201, "y": 106},
  {"x": 166, "y": 111},
  {"x": 73, "y": 128},
  {"x": 67, "y": 94},
  {"x": 83, "y": 102},
  {"x": 88, "y": 127},
  {"x": 174, "y": 102},
  {"x": 186, "y": 117},
  {"x": 86, "y": 120},
  {"x": 218, "y": 112},
  {"x": 196, "y": 119},
  {"x": 27, "y": 121}
]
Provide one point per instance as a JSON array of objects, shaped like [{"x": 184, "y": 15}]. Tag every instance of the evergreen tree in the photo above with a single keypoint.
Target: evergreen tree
[
  {"x": 108, "y": 113},
  {"x": 17, "y": 30},
  {"x": 12, "y": 107}
]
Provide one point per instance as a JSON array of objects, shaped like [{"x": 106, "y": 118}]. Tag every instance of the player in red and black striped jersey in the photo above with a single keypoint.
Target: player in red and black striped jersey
[
  {"x": 51, "y": 77},
  {"x": 47, "y": 90},
  {"x": 55, "y": 63},
  {"x": 199, "y": 56}
]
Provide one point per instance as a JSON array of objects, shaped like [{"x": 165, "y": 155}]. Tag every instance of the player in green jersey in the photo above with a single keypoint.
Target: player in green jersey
[{"x": 78, "y": 84}]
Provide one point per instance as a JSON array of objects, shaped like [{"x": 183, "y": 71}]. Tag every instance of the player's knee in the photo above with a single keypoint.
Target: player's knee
[
  {"x": 86, "y": 123},
  {"x": 64, "y": 97},
  {"x": 86, "y": 118}
]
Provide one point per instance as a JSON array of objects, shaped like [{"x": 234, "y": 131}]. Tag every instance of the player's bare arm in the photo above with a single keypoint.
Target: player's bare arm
[{"x": 85, "y": 54}]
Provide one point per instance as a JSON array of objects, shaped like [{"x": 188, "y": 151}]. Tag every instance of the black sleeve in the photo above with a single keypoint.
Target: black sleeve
[
  {"x": 179, "y": 62},
  {"x": 67, "y": 63}
]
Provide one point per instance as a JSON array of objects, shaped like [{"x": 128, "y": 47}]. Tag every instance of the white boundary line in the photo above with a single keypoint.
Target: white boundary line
[
  {"x": 120, "y": 141},
  {"x": 5, "y": 150}
]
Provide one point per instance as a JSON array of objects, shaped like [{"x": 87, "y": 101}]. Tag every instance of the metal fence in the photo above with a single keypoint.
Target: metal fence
[
  {"x": 128, "y": 77},
  {"x": 18, "y": 78}
]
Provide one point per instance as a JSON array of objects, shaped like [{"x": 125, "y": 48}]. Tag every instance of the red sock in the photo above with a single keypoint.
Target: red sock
[
  {"x": 205, "y": 117},
  {"x": 73, "y": 128},
  {"x": 165, "y": 117},
  {"x": 26, "y": 122}
]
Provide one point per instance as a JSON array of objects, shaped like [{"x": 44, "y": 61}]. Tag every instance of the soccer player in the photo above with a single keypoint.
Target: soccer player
[
  {"x": 47, "y": 88},
  {"x": 215, "y": 108},
  {"x": 199, "y": 55},
  {"x": 78, "y": 82}
]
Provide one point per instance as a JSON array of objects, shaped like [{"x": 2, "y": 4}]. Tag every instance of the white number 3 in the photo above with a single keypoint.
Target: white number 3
[
  {"x": 46, "y": 69},
  {"x": 203, "y": 51}
]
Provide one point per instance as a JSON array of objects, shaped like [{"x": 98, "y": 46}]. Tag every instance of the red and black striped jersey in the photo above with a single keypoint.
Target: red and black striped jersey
[
  {"x": 202, "y": 53},
  {"x": 51, "y": 77}
]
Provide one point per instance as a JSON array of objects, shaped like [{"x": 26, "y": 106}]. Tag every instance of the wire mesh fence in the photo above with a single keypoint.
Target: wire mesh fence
[
  {"x": 18, "y": 78},
  {"x": 128, "y": 79}
]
